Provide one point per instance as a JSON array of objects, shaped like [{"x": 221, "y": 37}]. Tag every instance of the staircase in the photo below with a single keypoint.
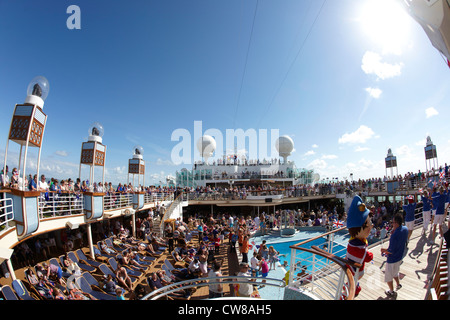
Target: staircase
[{"x": 174, "y": 211}]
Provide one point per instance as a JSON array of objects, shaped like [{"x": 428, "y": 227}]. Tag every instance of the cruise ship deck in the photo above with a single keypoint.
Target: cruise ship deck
[{"x": 416, "y": 271}]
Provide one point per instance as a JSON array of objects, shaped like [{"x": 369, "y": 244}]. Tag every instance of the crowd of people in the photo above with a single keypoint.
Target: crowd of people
[
  {"x": 408, "y": 180},
  {"x": 199, "y": 258}
]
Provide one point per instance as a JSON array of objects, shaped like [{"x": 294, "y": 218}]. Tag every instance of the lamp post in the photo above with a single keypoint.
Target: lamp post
[
  {"x": 93, "y": 152},
  {"x": 27, "y": 130},
  {"x": 136, "y": 165},
  {"x": 28, "y": 124}
]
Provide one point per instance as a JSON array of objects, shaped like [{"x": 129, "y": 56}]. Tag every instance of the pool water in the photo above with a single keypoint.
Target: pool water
[
  {"x": 282, "y": 245},
  {"x": 285, "y": 251}
]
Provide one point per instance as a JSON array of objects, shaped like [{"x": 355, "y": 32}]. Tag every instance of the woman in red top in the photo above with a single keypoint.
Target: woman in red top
[{"x": 244, "y": 249}]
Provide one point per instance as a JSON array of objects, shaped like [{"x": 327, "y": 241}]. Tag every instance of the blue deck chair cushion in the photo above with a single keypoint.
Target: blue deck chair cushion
[
  {"x": 83, "y": 266},
  {"x": 8, "y": 293},
  {"x": 21, "y": 291},
  {"x": 107, "y": 270},
  {"x": 110, "y": 244},
  {"x": 83, "y": 257},
  {"x": 85, "y": 287},
  {"x": 132, "y": 273},
  {"x": 90, "y": 279}
]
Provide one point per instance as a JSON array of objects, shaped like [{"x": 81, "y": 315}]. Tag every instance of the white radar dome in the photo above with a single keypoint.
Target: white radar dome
[
  {"x": 37, "y": 91},
  {"x": 138, "y": 152},
  {"x": 284, "y": 145},
  {"x": 206, "y": 145},
  {"x": 96, "y": 132}
]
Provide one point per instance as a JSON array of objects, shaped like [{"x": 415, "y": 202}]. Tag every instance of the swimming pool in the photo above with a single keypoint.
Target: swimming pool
[
  {"x": 281, "y": 244},
  {"x": 285, "y": 251}
]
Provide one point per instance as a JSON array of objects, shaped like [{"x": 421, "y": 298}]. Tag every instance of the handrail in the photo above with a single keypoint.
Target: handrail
[
  {"x": 342, "y": 263},
  {"x": 297, "y": 245},
  {"x": 6, "y": 212},
  {"x": 324, "y": 270},
  {"x": 169, "y": 210},
  {"x": 431, "y": 293},
  {"x": 60, "y": 204},
  {"x": 206, "y": 282}
]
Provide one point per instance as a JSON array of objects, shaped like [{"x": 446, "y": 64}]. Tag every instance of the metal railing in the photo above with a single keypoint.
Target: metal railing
[
  {"x": 6, "y": 211},
  {"x": 117, "y": 200},
  {"x": 232, "y": 281},
  {"x": 167, "y": 214},
  {"x": 438, "y": 287},
  {"x": 53, "y": 204},
  {"x": 158, "y": 197},
  {"x": 322, "y": 273}
]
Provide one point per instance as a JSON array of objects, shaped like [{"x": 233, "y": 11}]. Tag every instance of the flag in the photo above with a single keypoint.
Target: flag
[{"x": 337, "y": 224}]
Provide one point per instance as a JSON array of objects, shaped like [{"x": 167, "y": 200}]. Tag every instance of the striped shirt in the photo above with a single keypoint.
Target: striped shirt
[{"x": 357, "y": 253}]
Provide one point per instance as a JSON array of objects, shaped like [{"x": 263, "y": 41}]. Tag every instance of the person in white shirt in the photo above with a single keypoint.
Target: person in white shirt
[
  {"x": 215, "y": 290},
  {"x": 42, "y": 184},
  {"x": 254, "y": 263},
  {"x": 5, "y": 178},
  {"x": 245, "y": 289}
]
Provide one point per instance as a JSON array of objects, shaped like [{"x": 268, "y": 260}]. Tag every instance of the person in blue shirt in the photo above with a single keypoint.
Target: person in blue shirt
[
  {"x": 439, "y": 199},
  {"x": 426, "y": 214},
  {"x": 32, "y": 185},
  {"x": 395, "y": 253},
  {"x": 409, "y": 215}
]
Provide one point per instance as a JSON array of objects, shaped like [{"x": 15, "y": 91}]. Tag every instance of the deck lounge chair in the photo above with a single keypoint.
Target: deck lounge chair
[
  {"x": 143, "y": 261},
  {"x": 86, "y": 288},
  {"x": 8, "y": 293},
  {"x": 109, "y": 242},
  {"x": 42, "y": 291},
  {"x": 145, "y": 265},
  {"x": 105, "y": 270},
  {"x": 82, "y": 266},
  {"x": 100, "y": 255},
  {"x": 104, "y": 253},
  {"x": 82, "y": 256},
  {"x": 21, "y": 291},
  {"x": 144, "y": 257},
  {"x": 171, "y": 267},
  {"x": 131, "y": 272},
  {"x": 54, "y": 261},
  {"x": 92, "y": 282},
  {"x": 186, "y": 294}
]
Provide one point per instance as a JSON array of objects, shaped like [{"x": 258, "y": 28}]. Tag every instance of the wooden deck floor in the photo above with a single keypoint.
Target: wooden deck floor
[{"x": 415, "y": 271}]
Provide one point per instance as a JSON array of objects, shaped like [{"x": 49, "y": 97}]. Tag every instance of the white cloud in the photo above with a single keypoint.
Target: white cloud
[
  {"x": 404, "y": 151},
  {"x": 421, "y": 142},
  {"x": 310, "y": 153},
  {"x": 156, "y": 177},
  {"x": 329, "y": 156},
  {"x": 374, "y": 92},
  {"x": 315, "y": 146},
  {"x": 372, "y": 64},
  {"x": 361, "y": 149},
  {"x": 118, "y": 170},
  {"x": 361, "y": 135},
  {"x": 317, "y": 164},
  {"x": 161, "y": 162},
  {"x": 430, "y": 112},
  {"x": 61, "y": 153}
]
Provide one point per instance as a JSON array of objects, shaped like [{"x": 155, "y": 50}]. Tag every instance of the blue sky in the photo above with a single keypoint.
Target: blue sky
[{"x": 346, "y": 79}]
